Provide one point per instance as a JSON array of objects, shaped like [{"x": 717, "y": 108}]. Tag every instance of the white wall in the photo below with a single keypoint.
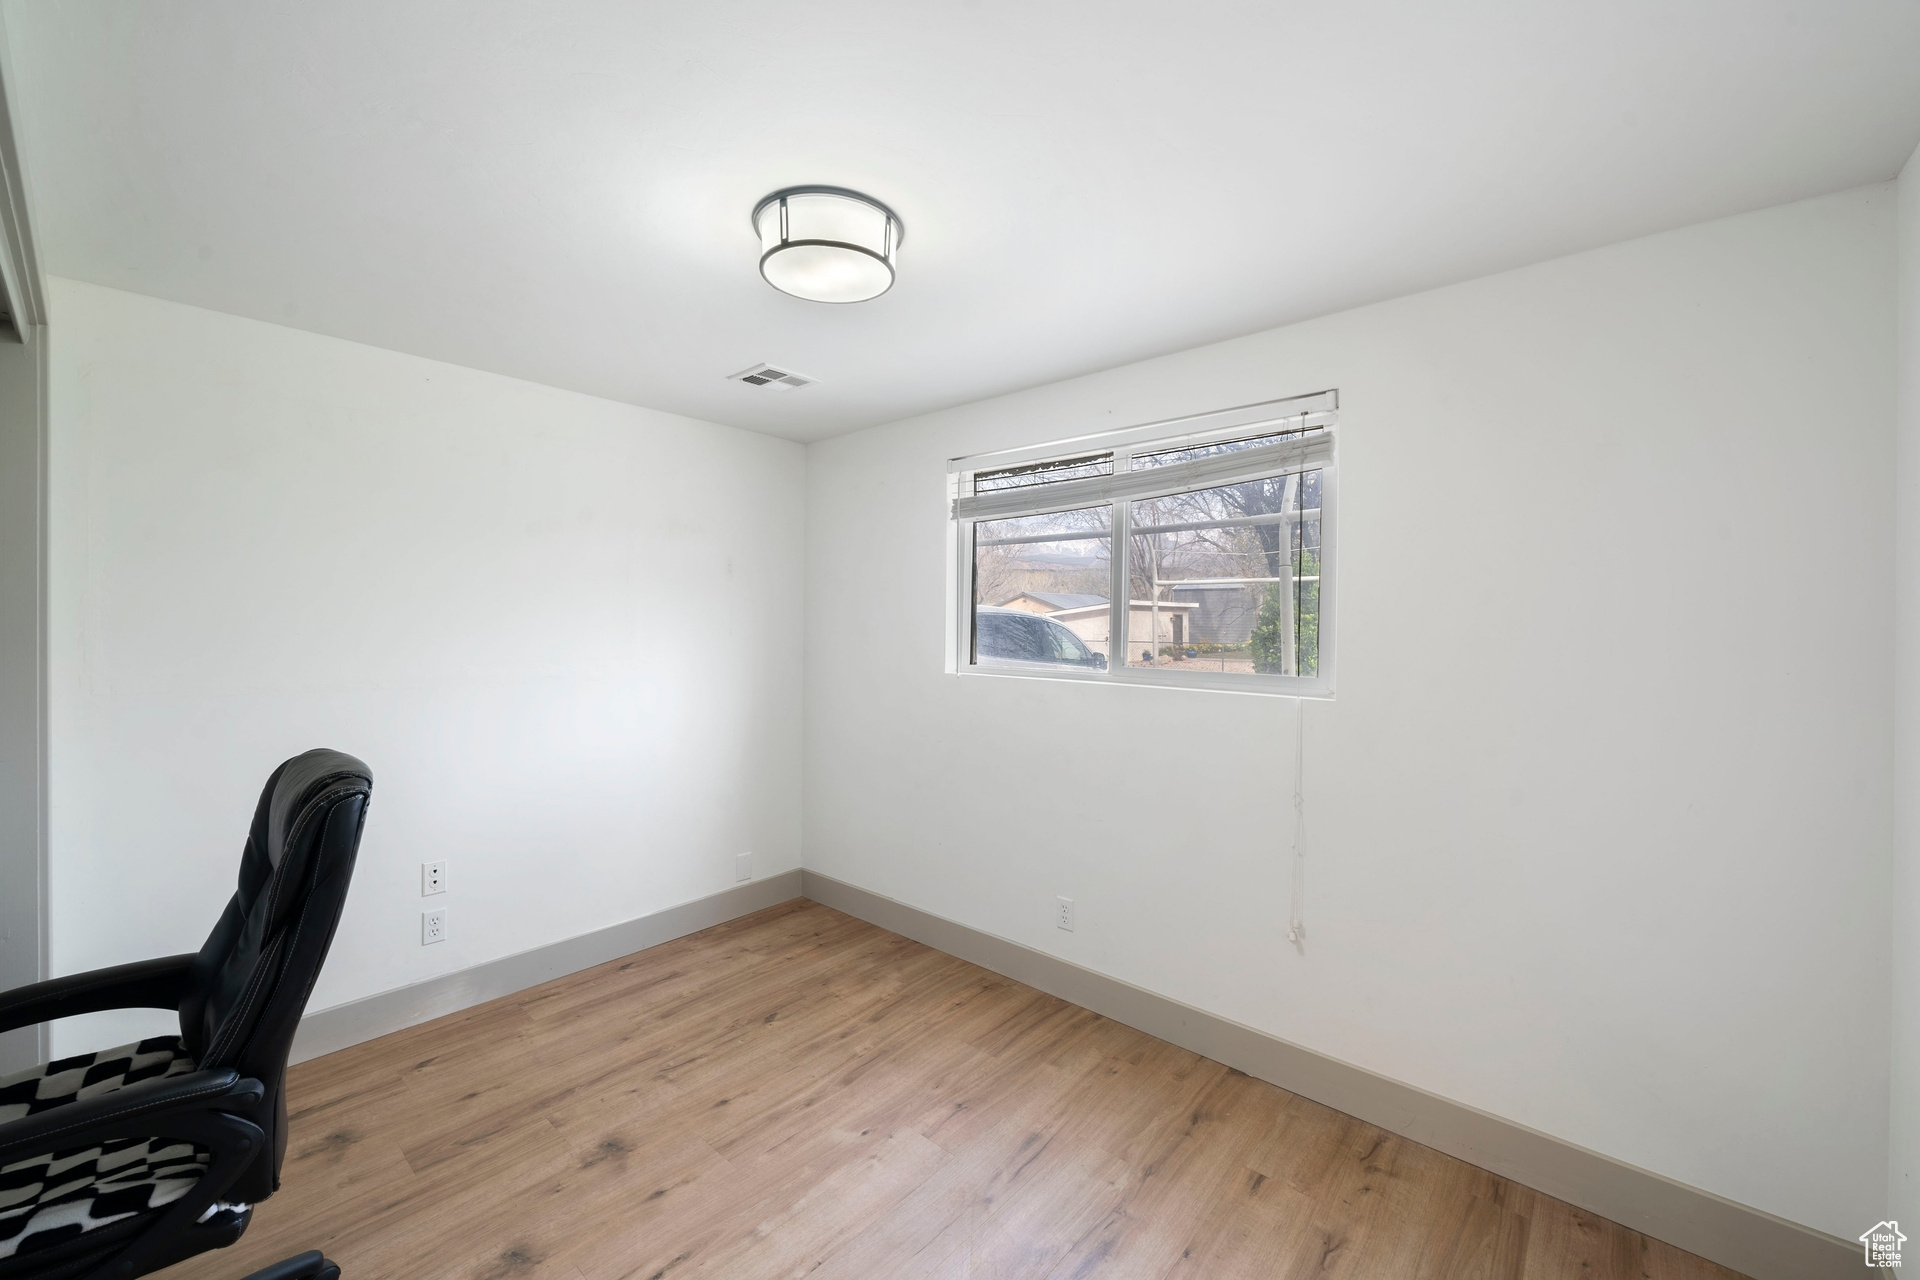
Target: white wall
[
  {"x": 1599, "y": 821},
  {"x": 1903, "y": 1181},
  {"x": 563, "y": 632}
]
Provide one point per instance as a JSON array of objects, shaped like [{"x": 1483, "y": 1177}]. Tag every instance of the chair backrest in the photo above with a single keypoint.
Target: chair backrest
[{"x": 250, "y": 982}]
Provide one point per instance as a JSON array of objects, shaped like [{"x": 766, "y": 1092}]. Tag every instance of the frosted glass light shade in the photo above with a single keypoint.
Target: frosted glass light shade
[{"x": 826, "y": 244}]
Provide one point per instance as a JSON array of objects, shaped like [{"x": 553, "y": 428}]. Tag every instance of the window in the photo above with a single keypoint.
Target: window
[{"x": 1195, "y": 553}]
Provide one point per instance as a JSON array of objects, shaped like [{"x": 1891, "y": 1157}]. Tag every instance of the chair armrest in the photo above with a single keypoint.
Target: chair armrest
[
  {"x": 152, "y": 1107},
  {"x": 198, "y": 1108},
  {"x": 148, "y": 984}
]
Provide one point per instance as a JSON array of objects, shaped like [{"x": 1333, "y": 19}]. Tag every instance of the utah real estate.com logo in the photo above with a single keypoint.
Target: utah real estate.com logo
[{"x": 1882, "y": 1244}]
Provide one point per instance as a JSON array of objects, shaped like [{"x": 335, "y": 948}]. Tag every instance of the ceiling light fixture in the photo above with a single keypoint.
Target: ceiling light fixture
[{"x": 827, "y": 244}]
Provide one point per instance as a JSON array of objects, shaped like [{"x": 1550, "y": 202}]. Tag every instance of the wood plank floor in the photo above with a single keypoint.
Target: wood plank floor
[{"x": 798, "y": 1093}]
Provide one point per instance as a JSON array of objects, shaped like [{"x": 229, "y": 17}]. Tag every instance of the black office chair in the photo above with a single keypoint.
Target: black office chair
[{"x": 118, "y": 1163}]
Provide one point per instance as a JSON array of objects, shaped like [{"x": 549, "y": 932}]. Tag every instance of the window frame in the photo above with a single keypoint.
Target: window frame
[{"x": 1294, "y": 413}]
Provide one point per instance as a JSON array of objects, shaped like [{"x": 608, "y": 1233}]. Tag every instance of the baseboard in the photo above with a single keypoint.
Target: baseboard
[
  {"x": 1750, "y": 1241},
  {"x": 357, "y": 1021}
]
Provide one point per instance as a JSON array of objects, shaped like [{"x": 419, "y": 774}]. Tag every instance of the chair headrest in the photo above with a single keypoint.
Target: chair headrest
[{"x": 307, "y": 780}]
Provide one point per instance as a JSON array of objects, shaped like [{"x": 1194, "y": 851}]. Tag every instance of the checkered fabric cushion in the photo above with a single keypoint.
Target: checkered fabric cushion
[{"x": 49, "y": 1199}]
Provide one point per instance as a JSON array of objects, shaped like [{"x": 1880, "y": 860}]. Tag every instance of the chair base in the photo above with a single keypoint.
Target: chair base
[{"x": 306, "y": 1266}]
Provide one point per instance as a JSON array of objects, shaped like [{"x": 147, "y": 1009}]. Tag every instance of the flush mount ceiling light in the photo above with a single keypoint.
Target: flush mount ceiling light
[{"x": 827, "y": 244}]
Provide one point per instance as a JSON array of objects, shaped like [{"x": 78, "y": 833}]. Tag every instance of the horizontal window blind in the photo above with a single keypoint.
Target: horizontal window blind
[
  {"x": 1056, "y": 471},
  {"x": 1191, "y": 452},
  {"x": 1201, "y": 473}
]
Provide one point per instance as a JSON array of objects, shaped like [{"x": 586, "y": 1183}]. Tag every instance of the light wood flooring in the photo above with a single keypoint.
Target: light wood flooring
[{"x": 798, "y": 1093}]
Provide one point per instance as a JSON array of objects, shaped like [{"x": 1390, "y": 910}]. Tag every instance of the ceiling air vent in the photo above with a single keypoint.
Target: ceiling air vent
[{"x": 765, "y": 375}]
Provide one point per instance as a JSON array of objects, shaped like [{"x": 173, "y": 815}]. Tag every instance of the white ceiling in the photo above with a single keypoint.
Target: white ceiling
[{"x": 559, "y": 189}]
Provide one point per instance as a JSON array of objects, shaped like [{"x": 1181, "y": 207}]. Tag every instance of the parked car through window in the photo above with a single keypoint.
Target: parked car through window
[{"x": 1010, "y": 635}]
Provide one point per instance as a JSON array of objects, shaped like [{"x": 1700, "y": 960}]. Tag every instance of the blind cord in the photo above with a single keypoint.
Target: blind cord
[{"x": 1296, "y": 925}]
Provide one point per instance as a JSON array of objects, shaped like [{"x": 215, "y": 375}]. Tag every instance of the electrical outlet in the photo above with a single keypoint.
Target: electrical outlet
[
  {"x": 433, "y": 927},
  {"x": 1063, "y": 913},
  {"x": 433, "y": 878},
  {"x": 743, "y": 866}
]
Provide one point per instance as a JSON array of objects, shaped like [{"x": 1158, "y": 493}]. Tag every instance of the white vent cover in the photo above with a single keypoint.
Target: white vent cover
[{"x": 765, "y": 375}]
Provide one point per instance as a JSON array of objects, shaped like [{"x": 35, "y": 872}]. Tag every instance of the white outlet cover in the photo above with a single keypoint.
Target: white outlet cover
[
  {"x": 433, "y": 878},
  {"x": 743, "y": 866},
  {"x": 433, "y": 927},
  {"x": 1063, "y": 913}
]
